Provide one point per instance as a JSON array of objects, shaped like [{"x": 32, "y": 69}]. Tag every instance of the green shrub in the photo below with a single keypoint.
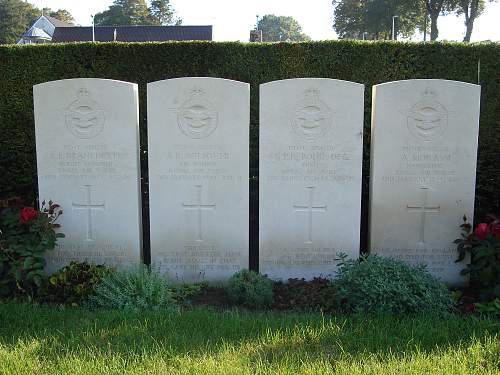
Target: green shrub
[
  {"x": 72, "y": 284},
  {"x": 250, "y": 289},
  {"x": 26, "y": 234},
  {"x": 490, "y": 309},
  {"x": 133, "y": 290},
  {"x": 384, "y": 285}
]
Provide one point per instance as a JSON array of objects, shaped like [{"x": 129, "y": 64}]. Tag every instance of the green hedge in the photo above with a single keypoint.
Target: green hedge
[{"x": 369, "y": 63}]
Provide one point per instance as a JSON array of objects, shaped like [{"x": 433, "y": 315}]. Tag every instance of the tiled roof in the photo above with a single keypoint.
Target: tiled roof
[
  {"x": 132, "y": 33},
  {"x": 57, "y": 23},
  {"x": 36, "y": 33}
]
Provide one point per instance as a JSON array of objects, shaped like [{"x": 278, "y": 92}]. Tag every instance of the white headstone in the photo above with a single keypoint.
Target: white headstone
[
  {"x": 198, "y": 132},
  {"x": 87, "y": 143},
  {"x": 423, "y": 168},
  {"x": 311, "y": 141}
]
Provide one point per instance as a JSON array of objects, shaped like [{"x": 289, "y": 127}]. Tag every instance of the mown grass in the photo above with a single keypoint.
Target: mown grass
[{"x": 44, "y": 340}]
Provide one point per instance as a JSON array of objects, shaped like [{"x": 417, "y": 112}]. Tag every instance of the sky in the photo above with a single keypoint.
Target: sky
[{"x": 232, "y": 20}]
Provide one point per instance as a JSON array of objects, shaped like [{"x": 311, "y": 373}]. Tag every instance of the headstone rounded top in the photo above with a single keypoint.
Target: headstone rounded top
[
  {"x": 82, "y": 80},
  {"x": 301, "y": 81},
  {"x": 200, "y": 79},
  {"x": 425, "y": 104},
  {"x": 426, "y": 80}
]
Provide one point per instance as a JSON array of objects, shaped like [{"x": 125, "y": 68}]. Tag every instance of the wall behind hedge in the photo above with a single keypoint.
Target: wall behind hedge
[{"x": 369, "y": 63}]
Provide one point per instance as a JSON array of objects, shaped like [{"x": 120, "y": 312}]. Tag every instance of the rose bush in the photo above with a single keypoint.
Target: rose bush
[
  {"x": 482, "y": 231},
  {"x": 25, "y": 235},
  {"x": 483, "y": 244},
  {"x": 27, "y": 214}
]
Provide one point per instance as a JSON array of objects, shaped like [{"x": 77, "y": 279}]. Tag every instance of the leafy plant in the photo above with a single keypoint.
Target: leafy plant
[
  {"x": 384, "y": 285},
  {"x": 133, "y": 290},
  {"x": 483, "y": 244},
  {"x": 25, "y": 235},
  {"x": 491, "y": 308},
  {"x": 72, "y": 284},
  {"x": 183, "y": 292},
  {"x": 250, "y": 289},
  {"x": 298, "y": 294}
]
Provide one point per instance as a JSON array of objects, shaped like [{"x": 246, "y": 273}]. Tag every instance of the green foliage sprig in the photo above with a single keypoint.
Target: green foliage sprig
[
  {"x": 26, "y": 234},
  {"x": 135, "y": 289},
  {"x": 72, "y": 284},
  {"x": 250, "y": 289},
  {"x": 182, "y": 293},
  {"x": 483, "y": 245},
  {"x": 383, "y": 285},
  {"x": 491, "y": 308}
]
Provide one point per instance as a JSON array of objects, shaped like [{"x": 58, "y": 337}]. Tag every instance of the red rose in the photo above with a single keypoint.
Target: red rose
[
  {"x": 495, "y": 229},
  {"x": 482, "y": 231},
  {"x": 27, "y": 213}
]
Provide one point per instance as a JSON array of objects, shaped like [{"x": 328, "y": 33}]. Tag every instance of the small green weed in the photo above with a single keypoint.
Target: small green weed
[
  {"x": 250, "y": 289},
  {"x": 137, "y": 289}
]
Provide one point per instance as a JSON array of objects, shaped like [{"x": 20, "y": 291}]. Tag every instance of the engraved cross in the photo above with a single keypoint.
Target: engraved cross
[
  {"x": 423, "y": 209},
  {"x": 310, "y": 209},
  {"x": 198, "y": 206},
  {"x": 89, "y": 206}
]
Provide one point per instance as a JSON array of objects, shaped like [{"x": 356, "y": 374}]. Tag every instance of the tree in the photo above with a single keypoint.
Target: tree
[
  {"x": 136, "y": 12},
  {"x": 16, "y": 16},
  {"x": 162, "y": 13},
  {"x": 435, "y": 8},
  {"x": 349, "y": 22},
  {"x": 355, "y": 18},
  {"x": 62, "y": 15},
  {"x": 281, "y": 29},
  {"x": 471, "y": 9},
  {"x": 124, "y": 12}
]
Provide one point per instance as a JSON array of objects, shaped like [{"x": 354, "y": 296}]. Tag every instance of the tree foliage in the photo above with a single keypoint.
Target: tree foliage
[
  {"x": 16, "y": 16},
  {"x": 162, "y": 13},
  {"x": 62, "y": 15},
  {"x": 137, "y": 12},
  {"x": 281, "y": 29},
  {"x": 355, "y": 18}
]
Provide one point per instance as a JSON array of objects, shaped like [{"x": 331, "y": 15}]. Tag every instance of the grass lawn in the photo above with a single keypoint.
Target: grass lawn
[{"x": 44, "y": 340}]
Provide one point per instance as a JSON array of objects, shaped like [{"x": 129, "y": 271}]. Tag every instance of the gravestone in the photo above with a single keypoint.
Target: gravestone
[
  {"x": 311, "y": 141},
  {"x": 198, "y": 132},
  {"x": 423, "y": 168},
  {"x": 87, "y": 143}
]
